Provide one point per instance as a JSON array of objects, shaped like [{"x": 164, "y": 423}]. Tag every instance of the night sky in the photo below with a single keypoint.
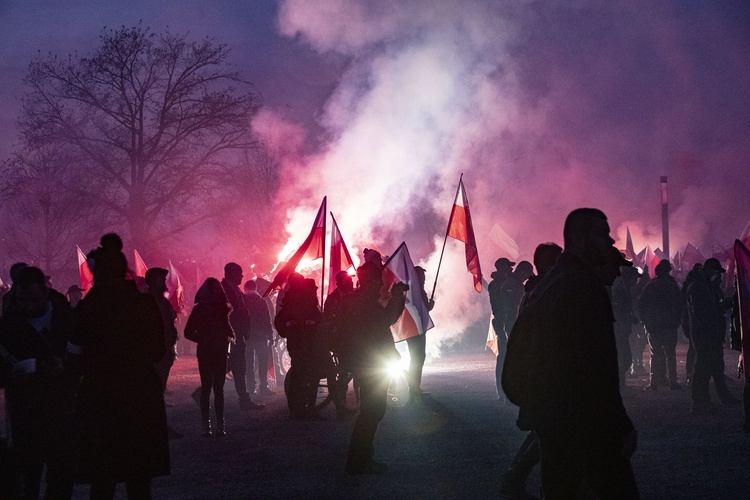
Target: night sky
[{"x": 545, "y": 106}]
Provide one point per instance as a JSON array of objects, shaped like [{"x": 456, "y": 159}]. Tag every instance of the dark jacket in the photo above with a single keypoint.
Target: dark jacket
[
  {"x": 578, "y": 358},
  {"x": 705, "y": 311},
  {"x": 120, "y": 411},
  {"x": 239, "y": 318},
  {"x": 660, "y": 304},
  {"x": 300, "y": 322},
  {"x": 365, "y": 326},
  {"x": 209, "y": 323},
  {"x": 260, "y": 317}
]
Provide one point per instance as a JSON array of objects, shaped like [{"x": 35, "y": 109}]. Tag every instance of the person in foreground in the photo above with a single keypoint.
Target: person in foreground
[
  {"x": 120, "y": 417},
  {"x": 574, "y": 405},
  {"x": 369, "y": 348}
]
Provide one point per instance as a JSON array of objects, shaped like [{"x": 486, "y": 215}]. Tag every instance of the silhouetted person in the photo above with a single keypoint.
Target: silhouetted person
[
  {"x": 300, "y": 322},
  {"x": 622, "y": 308},
  {"x": 333, "y": 305},
  {"x": 74, "y": 295},
  {"x": 120, "y": 408},
  {"x": 39, "y": 393},
  {"x": 707, "y": 329},
  {"x": 417, "y": 346},
  {"x": 239, "y": 318},
  {"x": 8, "y": 296},
  {"x": 660, "y": 309},
  {"x": 585, "y": 435},
  {"x": 261, "y": 335},
  {"x": 503, "y": 269},
  {"x": 208, "y": 326},
  {"x": 639, "y": 337},
  {"x": 365, "y": 324},
  {"x": 513, "y": 481},
  {"x": 685, "y": 321}
]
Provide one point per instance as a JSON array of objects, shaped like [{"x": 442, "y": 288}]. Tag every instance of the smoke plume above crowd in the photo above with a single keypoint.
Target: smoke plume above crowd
[{"x": 543, "y": 106}]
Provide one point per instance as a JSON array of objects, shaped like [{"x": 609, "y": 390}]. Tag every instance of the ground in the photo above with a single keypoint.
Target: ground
[{"x": 454, "y": 445}]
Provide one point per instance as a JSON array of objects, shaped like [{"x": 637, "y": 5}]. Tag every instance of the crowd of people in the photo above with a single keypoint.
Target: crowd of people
[{"x": 85, "y": 377}]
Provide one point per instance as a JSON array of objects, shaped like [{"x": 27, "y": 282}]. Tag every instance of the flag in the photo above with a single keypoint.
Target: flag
[
  {"x": 742, "y": 258},
  {"x": 460, "y": 228},
  {"x": 650, "y": 259},
  {"x": 415, "y": 320},
  {"x": 271, "y": 369},
  {"x": 661, "y": 255},
  {"x": 630, "y": 251},
  {"x": 175, "y": 289},
  {"x": 691, "y": 256},
  {"x": 340, "y": 258},
  {"x": 312, "y": 248},
  {"x": 505, "y": 242},
  {"x": 492, "y": 338},
  {"x": 745, "y": 236},
  {"x": 677, "y": 261},
  {"x": 84, "y": 273},
  {"x": 140, "y": 266}
]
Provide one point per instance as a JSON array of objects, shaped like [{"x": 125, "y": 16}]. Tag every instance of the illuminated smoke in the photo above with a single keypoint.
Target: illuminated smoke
[{"x": 544, "y": 106}]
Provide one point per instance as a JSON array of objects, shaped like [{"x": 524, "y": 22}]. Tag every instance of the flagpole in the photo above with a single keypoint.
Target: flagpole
[
  {"x": 323, "y": 269},
  {"x": 432, "y": 296}
]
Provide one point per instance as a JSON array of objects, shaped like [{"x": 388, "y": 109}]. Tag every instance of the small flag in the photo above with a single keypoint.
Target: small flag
[
  {"x": 341, "y": 260},
  {"x": 312, "y": 248},
  {"x": 691, "y": 256},
  {"x": 461, "y": 228},
  {"x": 505, "y": 242},
  {"x": 271, "y": 370},
  {"x": 84, "y": 273},
  {"x": 175, "y": 289},
  {"x": 492, "y": 338},
  {"x": 140, "y": 266},
  {"x": 415, "y": 320},
  {"x": 630, "y": 251}
]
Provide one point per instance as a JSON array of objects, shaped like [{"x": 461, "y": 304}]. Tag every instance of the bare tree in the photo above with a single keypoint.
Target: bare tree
[{"x": 153, "y": 120}]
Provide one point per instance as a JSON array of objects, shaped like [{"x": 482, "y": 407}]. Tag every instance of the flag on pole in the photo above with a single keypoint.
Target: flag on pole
[
  {"x": 492, "y": 338},
  {"x": 85, "y": 275},
  {"x": 630, "y": 251},
  {"x": 745, "y": 236},
  {"x": 271, "y": 369},
  {"x": 461, "y": 228},
  {"x": 140, "y": 266},
  {"x": 312, "y": 248},
  {"x": 175, "y": 289},
  {"x": 415, "y": 320},
  {"x": 505, "y": 242},
  {"x": 691, "y": 256},
  {"x": 742, "y": 258},
  {"x": 650, "y": 260},
  {"x": 341, "y": 260}
]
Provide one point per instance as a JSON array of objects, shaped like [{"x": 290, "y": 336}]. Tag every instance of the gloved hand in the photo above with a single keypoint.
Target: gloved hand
[{"x": 400, "y": 287}]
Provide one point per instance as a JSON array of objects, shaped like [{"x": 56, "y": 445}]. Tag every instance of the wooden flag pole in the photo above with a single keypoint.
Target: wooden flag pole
[{"x": 440, "y": 262}]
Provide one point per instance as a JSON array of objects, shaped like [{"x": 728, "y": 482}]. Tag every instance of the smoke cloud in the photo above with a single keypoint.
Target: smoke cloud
[{"x": 544, "y": 106}]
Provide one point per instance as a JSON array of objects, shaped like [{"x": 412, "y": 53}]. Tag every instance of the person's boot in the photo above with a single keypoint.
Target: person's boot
[
  {"x": 206, "y": 421},
  {"x": 221, "y": 429}
]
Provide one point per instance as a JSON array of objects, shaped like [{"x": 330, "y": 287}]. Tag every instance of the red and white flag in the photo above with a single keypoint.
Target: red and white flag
[
  {"x": 461, "y": 228},
  {"x": 175, "y": 289},
  {"x": 691, "y": 256},
  {"x": 415, "y": 320},
  {"x": 341, "y": 260},
  {"x": 84, "y": 273},
  {"x": 651, "y": 260},
  {"x": 312, "y": 248},
  {"x": 742, "y": 258},
  {"x": 140, "y": 266}
]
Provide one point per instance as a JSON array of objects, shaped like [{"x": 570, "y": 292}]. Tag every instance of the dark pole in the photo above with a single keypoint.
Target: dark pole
[{"x": 665, "y": 217}]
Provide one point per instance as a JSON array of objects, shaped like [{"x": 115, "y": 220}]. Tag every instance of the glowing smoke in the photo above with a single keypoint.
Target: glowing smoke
[{"x": 545, "y": 106}]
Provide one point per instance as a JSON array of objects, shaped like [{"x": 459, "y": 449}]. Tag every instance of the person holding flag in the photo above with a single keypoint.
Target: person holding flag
[{"x": 417, "y": 346}]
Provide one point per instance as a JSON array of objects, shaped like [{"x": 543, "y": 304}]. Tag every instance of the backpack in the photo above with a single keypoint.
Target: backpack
[{"x": 522, "y": 379}]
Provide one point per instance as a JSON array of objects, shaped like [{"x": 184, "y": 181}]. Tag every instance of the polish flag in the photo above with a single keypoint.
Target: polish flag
[
  {"x": 312, "y": 248},
  {"x": 651, "y": 260},
  {"x": 341, "y": 260},
  {"x": 175, "y": 289},
  {"x": 742, "y": 258},
  {"x": 84, "y": 273},
  {"x": 691, "y": 256},
  {"x": 140, "y": 266},
  {"x": 415, "y": 320},
  {"x": 492, "y": 344},
  {"x": 460, "y": 228}
]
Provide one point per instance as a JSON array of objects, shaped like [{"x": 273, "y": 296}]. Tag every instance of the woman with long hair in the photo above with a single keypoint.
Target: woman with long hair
[{"x": 208, "y": 326}]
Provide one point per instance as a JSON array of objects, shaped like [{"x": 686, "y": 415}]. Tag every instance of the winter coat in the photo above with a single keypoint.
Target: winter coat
[
  {"x": 300, "y": 322},
  {"x": 239, "y": 318},
  {"x": 660, "y": 304},
  {"x": 120, "y": 416},
  {"x": 260, "y": 317},
  {"x": 707, "y": 321},
  {"x": 209, "y": 324}
]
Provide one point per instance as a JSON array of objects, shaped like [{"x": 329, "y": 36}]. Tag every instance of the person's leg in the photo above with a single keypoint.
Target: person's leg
[
  {"x": 701, "y": 376},
  {"x": 218, "y": 386},
  {"x": 373, "y": 399},
  {"x": 670, "y": 354},
  {"x": 251, "y": 366},
  {"x": 717, "y": 373},
  {"x": 561, "y": 477},
  {"x": 139, "y": 488},
  {"x": 514, "y": 479},
  {"x": 238, "y": 367},
  {"x": 658, "y": 362},
  {"x": 102, "y": 490},
  {"x": 689, "y": 362},
  {"x": 605, "y": 470}
]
